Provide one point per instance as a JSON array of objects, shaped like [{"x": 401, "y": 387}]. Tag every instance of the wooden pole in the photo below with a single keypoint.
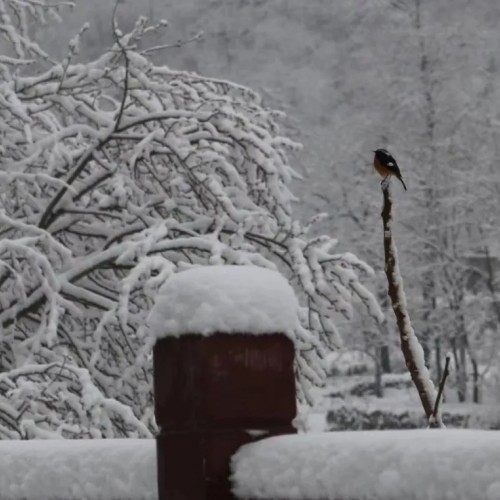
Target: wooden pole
[{"x": 212, "y": 395}]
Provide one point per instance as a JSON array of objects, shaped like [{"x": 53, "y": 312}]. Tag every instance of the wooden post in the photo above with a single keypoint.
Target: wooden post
[{"x": 212, "y": 395}]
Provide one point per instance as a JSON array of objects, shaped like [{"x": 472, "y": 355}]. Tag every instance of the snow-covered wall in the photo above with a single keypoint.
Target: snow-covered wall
[
  {"x": 374, "y": 465},
  {"x": 79, "y": 469},
  {"x": 371, "y": 465}
]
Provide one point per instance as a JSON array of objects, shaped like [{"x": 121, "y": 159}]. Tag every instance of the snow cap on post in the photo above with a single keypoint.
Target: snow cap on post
[{"x": 225, "y": 299}]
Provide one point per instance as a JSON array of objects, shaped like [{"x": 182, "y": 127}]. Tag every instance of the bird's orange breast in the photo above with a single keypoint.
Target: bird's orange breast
[{"x": 382, "y": 169}]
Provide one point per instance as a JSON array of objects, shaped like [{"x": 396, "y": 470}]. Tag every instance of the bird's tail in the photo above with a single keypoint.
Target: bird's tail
[{"x": 402, "y": 182}]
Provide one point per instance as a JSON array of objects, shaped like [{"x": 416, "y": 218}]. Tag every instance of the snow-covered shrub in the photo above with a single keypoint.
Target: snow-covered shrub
[
  {"x": 116, "y": 173},
  {"x": 348, "y": 362}
]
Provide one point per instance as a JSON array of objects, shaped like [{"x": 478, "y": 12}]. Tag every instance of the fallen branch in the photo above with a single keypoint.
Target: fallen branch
[{"x": 412, "y": 350}]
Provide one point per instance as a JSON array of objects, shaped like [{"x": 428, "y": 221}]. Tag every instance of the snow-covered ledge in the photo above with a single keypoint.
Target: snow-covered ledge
[
  {"x": 375, "y": 465},
  {"x": 223, "y": 372},
  {"x": 78, "y": 469},
  {"x": 224, "y": 299}
]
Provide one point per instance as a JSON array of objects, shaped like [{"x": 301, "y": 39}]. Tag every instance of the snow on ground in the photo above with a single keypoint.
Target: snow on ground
[
  {"x": 371, "y": 465},
  {"x": 224, "y": 299},
  {"x": 97, "y": 469}
]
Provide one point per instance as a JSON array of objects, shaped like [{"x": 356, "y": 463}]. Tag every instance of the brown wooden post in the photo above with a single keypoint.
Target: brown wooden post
[{"x": 212, "y": 395}]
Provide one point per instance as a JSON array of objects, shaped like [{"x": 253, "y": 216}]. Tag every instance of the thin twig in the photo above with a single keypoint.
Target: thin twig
[
  {"x": 116, "y": 34},
  {"x": 176, "y": 45},
  {"x": 446, "y": 372}
]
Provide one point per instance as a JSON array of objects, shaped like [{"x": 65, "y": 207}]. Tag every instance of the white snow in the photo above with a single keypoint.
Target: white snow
[
  {"x": 371, "y": 465},
  {"x": 367, "y": 465},
  {"x": 97, "y": 469},
  {"x": 225, "y": 299}
]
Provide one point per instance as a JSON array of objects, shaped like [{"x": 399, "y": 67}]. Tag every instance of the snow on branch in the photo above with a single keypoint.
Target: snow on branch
[{"x": 116, "y": 174}]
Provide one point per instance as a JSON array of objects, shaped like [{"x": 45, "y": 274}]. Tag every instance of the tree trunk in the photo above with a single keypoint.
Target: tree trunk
[
  {"x": 439, "y": 366},
  {"x": 463, "y": 368},
  {"x": 475, "y": 380},
  {"x": 379, "y": 390},
  {"x": 385, "y": 359}
]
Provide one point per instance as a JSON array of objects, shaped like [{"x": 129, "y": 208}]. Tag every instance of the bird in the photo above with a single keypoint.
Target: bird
[{"x": 386, "y": 165}]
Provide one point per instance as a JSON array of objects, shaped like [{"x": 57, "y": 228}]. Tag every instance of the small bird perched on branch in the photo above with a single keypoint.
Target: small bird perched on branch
[{"x": 386, "y": 165}]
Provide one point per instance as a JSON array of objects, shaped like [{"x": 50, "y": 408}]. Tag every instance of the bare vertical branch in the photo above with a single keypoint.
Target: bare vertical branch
[
  {"x": 410, "y": 346},
  {"x": 446, "y": 372},
  {"x": 123, "y": 49}
]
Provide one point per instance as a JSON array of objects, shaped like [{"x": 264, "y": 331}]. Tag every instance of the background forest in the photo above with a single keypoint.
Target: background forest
[
  {"x": 420, "y": 78},
  {"x": 417, "y": 77}
]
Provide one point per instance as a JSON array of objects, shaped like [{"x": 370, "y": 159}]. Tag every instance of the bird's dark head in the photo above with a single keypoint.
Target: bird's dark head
[
  {"x": 381, "y": 152},
  {"x": 383, "y": 156}
]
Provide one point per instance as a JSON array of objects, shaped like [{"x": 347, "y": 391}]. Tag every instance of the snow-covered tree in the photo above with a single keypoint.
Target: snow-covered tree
[
  {"x": 116, "y": 173},
  {"x": 430, "y": 95}
]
